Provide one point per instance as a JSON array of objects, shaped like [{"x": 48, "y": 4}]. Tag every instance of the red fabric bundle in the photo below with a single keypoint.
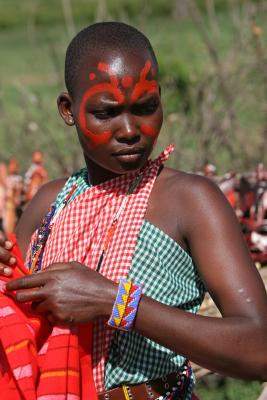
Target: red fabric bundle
[{"x": 38, "y": 361}]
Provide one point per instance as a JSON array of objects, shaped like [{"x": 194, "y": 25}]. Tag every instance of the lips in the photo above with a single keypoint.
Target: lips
[
  {"x": 129, "y": 151},
  {"x": 129, "y": 154}
]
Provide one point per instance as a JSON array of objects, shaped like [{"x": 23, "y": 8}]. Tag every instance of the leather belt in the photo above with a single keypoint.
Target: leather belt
[{"x": 154, "y": 389}]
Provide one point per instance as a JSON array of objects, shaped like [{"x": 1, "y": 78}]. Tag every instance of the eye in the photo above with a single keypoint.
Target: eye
[
  {"x": 100, "y": 114},
  {"x": 147, "y": 108},
  {"x": 106, "y": 113}
]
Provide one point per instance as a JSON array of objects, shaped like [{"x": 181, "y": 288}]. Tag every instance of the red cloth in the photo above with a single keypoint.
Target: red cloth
[{"x": 38, "y": 361}]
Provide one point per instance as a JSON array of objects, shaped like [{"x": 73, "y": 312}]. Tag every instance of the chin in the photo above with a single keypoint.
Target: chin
[{"x": 125, "y": 167}]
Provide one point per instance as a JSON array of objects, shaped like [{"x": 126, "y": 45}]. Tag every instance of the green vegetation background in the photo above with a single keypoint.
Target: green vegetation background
[{"x": 213, "y": 76}]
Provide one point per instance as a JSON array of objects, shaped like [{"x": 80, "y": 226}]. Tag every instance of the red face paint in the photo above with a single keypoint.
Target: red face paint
[
  {"x": 127, "y": 81},
  {"x": 112, "y": 88},
  {"x": 144, "y": 85},
  {"x": 148, "y": 131},
  {"x": 92, "y": 76},
  {"x": 140, "y": 88},
  {"x": 105, "y": 68}
]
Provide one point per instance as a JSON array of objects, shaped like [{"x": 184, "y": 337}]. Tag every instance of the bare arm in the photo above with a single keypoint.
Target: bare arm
[
  {"x": 235, "y": 345},
  {"x": 35, "y": 212},
  {"x": 28, "y": 223}
]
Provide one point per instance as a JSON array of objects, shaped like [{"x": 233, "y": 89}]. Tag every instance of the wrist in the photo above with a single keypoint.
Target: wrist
[{"x": 109, "y": 298}]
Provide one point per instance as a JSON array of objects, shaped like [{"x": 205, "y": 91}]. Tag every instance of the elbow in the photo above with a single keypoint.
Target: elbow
[
  {"x": 258, "y": 363},
  {"x": 254, "y": 362},
  {"x": 252, "y": 368},
  {"x": 261, "y": 368}
]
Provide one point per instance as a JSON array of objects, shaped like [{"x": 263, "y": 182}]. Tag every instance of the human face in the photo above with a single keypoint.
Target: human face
[{"x": 117, "y": 111}]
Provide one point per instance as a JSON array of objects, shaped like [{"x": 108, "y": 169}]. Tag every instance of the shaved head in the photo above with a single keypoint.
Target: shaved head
[{"x": 99, "y": 39}]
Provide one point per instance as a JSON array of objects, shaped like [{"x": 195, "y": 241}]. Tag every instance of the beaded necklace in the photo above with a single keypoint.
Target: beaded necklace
[
  {"x": 113, "y": 225},
  {"x": 41, "y": 235}
]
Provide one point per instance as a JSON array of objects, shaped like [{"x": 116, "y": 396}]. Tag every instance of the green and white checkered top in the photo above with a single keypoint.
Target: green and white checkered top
[{"x": 169, "y": 276}]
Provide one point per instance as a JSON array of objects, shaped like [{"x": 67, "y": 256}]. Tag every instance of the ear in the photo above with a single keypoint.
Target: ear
[{"x": 64, "y": 104}]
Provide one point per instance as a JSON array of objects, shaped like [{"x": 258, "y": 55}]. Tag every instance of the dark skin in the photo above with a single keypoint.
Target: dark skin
[{"x": 189, "y": 208}]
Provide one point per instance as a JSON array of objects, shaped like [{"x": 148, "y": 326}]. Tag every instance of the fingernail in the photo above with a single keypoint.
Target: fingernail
[
  {"x": 2, "y": 287},
  {"x": 7, "y": 271},
  {"x": 8, "y": 245},
  {"x": 12, "y": 260}
]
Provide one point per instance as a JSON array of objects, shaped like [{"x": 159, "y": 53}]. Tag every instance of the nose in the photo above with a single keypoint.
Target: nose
[{"x": 127, "y": 130}]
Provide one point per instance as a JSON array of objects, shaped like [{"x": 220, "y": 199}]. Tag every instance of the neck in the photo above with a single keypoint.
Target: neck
[{"x": 98, "y": 174}]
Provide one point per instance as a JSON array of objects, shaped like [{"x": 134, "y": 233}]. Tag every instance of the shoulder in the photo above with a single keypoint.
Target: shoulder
[
  {"x": 36, "y": 210},
  {"x": 195, "y": 198},
  {"x": 189, "y": 186}
]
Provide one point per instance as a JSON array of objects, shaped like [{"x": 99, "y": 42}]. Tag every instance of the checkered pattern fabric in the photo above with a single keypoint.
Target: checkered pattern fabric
[
  {"x": 81, "y": 228},
  {"x": 169, "y": 276}
]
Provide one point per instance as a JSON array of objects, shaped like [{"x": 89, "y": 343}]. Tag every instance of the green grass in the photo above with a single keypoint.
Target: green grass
[{"x": 228, "y": 389}]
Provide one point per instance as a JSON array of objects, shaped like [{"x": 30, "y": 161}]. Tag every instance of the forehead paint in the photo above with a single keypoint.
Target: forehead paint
[
  {"x": 127, "y": 81},
  {"x": 92, "y": 76},
  {"x": 141, "y": 87},
  {"x": 110, "y": 87},
  {"x": 144, "y": 85}
]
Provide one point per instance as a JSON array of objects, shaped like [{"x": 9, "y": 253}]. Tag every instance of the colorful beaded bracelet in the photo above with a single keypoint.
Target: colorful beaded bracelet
[{"x": 126, "y": 305}]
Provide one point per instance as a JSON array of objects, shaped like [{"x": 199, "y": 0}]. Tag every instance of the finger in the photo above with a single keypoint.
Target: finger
[
  {"x": 56, "y": 321},
  {"x": 5, "y": 270},
  {"x": 30, "y": 295},
  {"x": 28, "y": 282},
  {"x": 53, "y": 321},
  {"x": 2, "y": 238},
  {"x": 42, "y": 307},
  {"x": 6, "y": 257},
  {"x": 8, "y": 244}
]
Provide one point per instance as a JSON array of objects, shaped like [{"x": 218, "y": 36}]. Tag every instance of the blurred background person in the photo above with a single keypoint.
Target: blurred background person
[
  {"x": 35, "y": 176},
  {"x": 13, "y": 195},
  {"x": 3, "y": 174}
]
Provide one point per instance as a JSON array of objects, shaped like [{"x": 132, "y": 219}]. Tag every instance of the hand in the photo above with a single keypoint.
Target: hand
[
  {"x": 67, "y": 293},
  {"x": 6, "y": 258}
]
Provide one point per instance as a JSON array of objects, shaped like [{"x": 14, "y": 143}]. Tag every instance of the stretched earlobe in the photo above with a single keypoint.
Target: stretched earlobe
[{"x": 64, "y": 104}]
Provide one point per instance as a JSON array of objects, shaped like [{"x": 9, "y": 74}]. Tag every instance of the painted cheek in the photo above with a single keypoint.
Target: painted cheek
[
  {"x": 149, "y": 131},
  {"x": 98, "y": 139}
]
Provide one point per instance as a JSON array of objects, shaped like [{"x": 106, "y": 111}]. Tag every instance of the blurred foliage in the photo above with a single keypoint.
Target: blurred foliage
[
  {"x": 227, "y": 389},
  {"x": 18, "y": 13},
  {"x": 212, "y": 72}
]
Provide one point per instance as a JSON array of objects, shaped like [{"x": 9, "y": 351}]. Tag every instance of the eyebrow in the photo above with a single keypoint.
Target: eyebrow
[
  {"x": 113, "y": 103},
  {"x": 108, "y": 102},
  {"x": 147, "y": 96}
]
